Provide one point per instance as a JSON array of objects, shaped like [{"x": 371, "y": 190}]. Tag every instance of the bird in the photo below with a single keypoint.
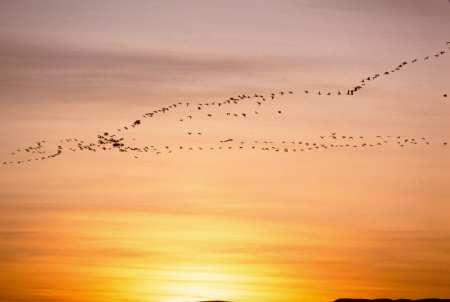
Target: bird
[{"x": 107, "y": 141}]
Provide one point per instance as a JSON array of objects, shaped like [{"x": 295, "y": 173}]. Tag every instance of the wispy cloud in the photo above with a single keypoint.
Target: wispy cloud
[{"x": 36, "y": 66}]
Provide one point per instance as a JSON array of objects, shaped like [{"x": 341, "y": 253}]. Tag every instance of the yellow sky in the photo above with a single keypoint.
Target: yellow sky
[{"x": 230, "y": 225}]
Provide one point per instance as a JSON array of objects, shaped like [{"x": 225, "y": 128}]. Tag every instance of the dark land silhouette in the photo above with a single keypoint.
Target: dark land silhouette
[
  {"x": 372, "y": 300},
  {"x": 392, "y": 300}
]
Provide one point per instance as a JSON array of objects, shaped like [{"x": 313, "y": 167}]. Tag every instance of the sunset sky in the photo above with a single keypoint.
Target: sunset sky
[{"x": 237, "y": 225}]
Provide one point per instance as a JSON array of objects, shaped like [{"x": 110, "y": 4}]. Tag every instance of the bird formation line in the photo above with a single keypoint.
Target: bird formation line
[
  {"x": 116, "y": 141},
  {"x": 371, "y": 78},
  {"x": 260, "y": 99},
  {"x": 107, "y": 142}
]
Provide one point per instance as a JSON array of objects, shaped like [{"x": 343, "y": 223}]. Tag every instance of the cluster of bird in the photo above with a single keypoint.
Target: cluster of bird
[
  {"x": 117, "y": 141},
  {"x": 332, "y": 141},
  {"x": 366, "y": 80},
  {"x": 107, "y": 142}
]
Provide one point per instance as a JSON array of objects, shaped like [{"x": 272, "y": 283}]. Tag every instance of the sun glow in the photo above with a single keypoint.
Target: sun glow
[{"x": 198, "y": 283}]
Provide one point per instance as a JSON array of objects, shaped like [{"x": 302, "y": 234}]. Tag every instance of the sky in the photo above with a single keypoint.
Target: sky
[{"x": 238, "y": 226}]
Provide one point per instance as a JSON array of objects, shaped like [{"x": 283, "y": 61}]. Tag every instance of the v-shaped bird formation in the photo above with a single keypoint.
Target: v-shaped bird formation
[{"x": 230, "y": 108}]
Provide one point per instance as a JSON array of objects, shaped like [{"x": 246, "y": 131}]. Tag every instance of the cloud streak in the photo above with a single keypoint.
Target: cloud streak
[{"x": 27, "y": 66}]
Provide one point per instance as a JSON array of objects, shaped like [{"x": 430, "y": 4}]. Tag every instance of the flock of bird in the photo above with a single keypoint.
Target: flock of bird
[
  {"x": 116, "y": 140},
  {"x": 370, "y": 78}
]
